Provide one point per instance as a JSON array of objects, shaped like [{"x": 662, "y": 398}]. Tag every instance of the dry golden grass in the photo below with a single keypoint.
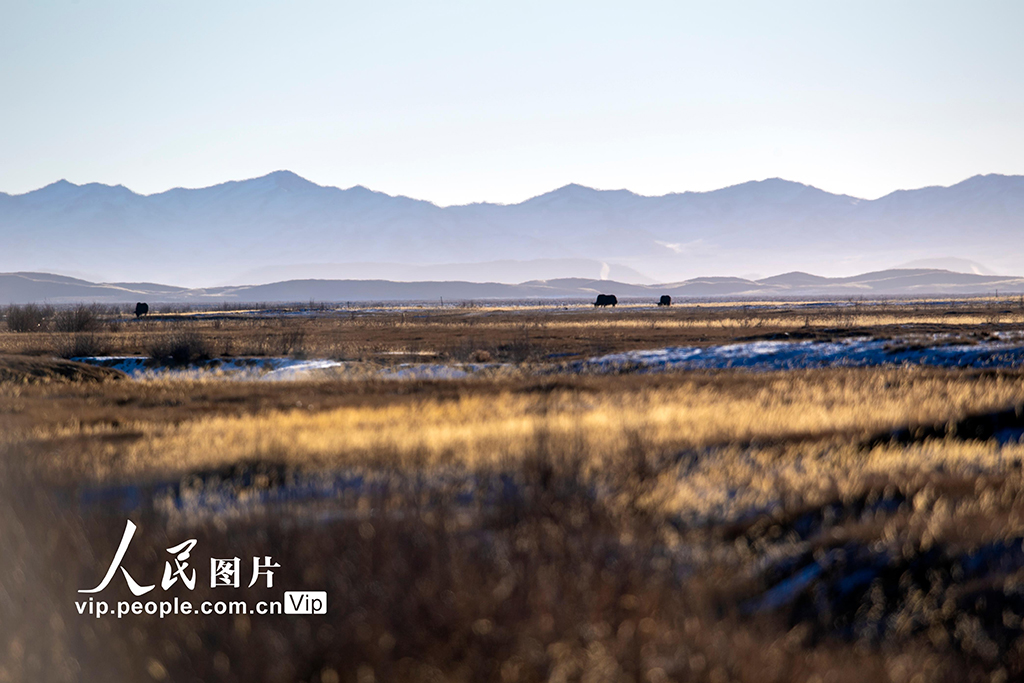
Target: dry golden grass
[{"x": 491, "y": 423}]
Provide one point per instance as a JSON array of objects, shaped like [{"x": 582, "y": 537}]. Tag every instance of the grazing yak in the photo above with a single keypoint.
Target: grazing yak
[
  {"x": 606, "y": 300},
  {"x": 141, "y": 309},
  {"x": 665, "y": 300}
]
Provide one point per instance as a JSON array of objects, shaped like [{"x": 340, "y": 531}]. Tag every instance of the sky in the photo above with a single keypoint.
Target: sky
[{"x": 456, "y": 102}]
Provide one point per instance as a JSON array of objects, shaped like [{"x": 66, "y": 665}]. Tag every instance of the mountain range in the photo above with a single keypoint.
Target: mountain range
[
  {"x": 21, "y": 288},
  {"x": 282, "y": 227}
]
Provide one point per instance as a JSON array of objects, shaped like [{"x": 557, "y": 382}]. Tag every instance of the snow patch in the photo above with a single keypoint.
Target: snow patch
[
  {"x": 783, "y": 355},
  {"x": 141, "y": 367},
  {"x": 278, "y": 369}
]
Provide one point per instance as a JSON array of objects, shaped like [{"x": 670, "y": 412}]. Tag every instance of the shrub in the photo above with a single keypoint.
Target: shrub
[
  {"x": 180, "y": 347},
  {"x": 78, "y": 344},
  {"x": 80, "y": 318},
  {"x": 27, "y": 318},
  {"x": 291, "y": 342}
]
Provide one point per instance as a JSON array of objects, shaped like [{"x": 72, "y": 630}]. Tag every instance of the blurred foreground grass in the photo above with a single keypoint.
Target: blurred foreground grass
[{"x": 832, "y": 525}]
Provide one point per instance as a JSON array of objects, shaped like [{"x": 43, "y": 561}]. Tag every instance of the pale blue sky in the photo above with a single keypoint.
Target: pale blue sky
[{"x": 468, "y": 101}]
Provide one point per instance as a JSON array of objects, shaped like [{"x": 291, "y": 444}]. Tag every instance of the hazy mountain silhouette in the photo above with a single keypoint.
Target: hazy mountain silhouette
[
  {"x": 505, "y": 271},
  {"x": 216, "y": 234}
]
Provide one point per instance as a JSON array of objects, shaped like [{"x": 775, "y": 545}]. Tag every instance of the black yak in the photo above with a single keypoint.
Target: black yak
[
  {"x": 606, "y": 300},
  {"x": 665, "y": 300},
  {"x": 141, "y": 309}
]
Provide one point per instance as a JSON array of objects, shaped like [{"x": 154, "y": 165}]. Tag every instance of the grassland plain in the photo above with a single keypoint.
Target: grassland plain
[
  {"x": 517, "y": 333},
  {"x": 841, "y": 524}
]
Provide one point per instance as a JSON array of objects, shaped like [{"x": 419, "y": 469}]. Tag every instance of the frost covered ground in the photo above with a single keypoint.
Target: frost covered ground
[
  {"x": 787, "y": 355},
  {"x": 277, "y": 369},
  {"x": 142, "y": 367}
]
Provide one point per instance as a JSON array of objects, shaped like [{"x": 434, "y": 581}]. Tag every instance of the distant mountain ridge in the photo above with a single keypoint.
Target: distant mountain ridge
[
  {"x": 215, "y": 234},
  {"x": 57, "y": 289}
]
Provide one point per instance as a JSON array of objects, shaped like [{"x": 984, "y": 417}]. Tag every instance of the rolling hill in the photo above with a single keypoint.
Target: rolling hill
[{"x": 43, "y": 287}]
